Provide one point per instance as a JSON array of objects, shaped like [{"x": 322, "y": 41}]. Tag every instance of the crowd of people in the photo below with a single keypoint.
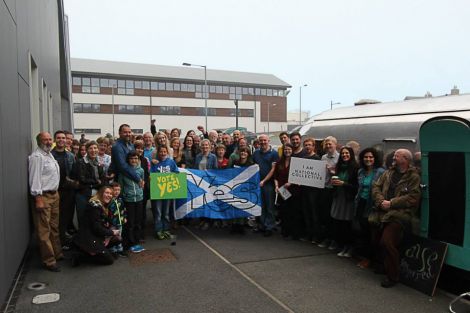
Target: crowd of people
[{"x": 364, "y": 210}]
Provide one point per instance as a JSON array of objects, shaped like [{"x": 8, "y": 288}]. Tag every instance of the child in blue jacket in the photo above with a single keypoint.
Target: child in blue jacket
[
  {"x": 133, "y": 194},
  {"x": 161, "y": 208}
]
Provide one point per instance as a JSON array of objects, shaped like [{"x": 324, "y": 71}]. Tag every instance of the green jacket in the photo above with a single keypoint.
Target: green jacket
[
  {"x": 405, "y": 202},
  {"x": 131, "y": 191}
]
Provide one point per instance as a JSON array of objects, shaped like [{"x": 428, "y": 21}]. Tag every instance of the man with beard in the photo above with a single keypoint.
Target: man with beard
[
  {"x": 44, "y": 178},
  {"x": 296, "y": 142}
]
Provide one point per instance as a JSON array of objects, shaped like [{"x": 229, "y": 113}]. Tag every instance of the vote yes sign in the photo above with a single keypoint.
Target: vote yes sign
[{"x": 168, "y": 186}]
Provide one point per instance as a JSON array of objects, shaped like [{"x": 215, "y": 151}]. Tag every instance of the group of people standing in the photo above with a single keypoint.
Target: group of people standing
[{"x": 364, "y": 209}]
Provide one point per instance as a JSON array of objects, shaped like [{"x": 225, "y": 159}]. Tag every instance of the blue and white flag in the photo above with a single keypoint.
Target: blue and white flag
[{"x": 221, "y": 194}]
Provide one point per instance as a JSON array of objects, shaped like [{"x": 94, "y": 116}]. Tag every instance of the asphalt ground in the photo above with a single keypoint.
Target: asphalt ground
[{"x": 214, "y": 271}]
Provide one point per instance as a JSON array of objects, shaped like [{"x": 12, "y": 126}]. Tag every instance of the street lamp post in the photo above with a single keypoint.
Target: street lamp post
[
  {"x": 300, "y": 103},
  {"x": 112, "y": 102},
  {"x": 236, "y": 114},
  {"x": 205, "y": 91},
  {"x": 269, "y": 116},
  {"x": 332, "y": 104}
]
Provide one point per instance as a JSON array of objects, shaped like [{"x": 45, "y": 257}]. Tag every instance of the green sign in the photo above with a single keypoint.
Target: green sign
[{"x": 168, "y": 186}]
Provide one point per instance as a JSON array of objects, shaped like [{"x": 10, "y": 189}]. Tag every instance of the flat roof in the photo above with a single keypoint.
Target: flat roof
[{"x": 183, "y": 73}]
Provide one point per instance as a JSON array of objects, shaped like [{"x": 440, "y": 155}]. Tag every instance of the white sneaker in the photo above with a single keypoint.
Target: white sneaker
[
  {"x": 324, "y": 244},
  {"x": 333, "y": 245},
  {"x": 342, "y": 252},
  {"x": 348, "y": 252}
]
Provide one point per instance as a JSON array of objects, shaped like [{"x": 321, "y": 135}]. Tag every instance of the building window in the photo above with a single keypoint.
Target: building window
[
  {"x": 191, "y": 88},
  {"x": 86, "y": 108},
  {"x": 130, "y": 109},
  {"x": 184, "y": 87},
  {"x": 95, "y": 90},
  {"x": 210, "y": 111},
  {"x": 244, "y": 91},
  {"x": 176, "y": 87},
  {"x": 86, "y": 81},
  {"x": 225, "y": 89},
  {"x": 104, "y": 82},
  {"x": 218, "y": 89},
  {"x": 169, "y": 86},
  {"x": 112, "y": 83},
  {"x": 246, "y": 113},
  {"x": 87, "y": 130},
  {"x": 145, "y": 85},
  {"x": 161, "y": 86},
  {"x": 212, "y": 89},
  {"x": 86, "y": 89},
  {"x": 170, "y": 110},
  {"x": 77, "y": 81},
  {"x": 263, "y": 92},
  {"x": 269, "y": 92},
  {"x": 154, "y": 85},
  {"x": 121, "y": 91}
]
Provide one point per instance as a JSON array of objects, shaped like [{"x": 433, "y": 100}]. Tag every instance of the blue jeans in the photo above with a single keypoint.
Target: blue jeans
[
  {"x": 267, "y": 206},
  {"x": 161, "y": 209}
]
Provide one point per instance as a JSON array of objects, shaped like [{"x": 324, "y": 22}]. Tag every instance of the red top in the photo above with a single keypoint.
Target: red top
[{"x": 223, "y": 163}]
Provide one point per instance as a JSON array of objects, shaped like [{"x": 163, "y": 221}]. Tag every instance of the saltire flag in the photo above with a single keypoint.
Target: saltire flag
[{"x": 221, "y": 194}]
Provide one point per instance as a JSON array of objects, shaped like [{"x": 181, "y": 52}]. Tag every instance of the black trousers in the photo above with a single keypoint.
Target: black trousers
[
  {"x": 66, "y": 212},
  {"x": 143, "y": 224},
  {"x": 133, "y": 226},
  {"x": 324, "y": 214},
  {"x": 310, "y": 212}
]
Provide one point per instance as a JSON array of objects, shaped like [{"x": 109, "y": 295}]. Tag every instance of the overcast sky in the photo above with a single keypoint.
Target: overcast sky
[{"x": 344, "y": 50}]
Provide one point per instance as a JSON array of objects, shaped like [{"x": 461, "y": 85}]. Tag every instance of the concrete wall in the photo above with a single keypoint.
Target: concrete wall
[{"x": 29, "y": 52}]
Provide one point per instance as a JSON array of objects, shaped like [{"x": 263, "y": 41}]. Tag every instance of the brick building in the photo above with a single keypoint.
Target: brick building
[{"x": 174, "y": 96}]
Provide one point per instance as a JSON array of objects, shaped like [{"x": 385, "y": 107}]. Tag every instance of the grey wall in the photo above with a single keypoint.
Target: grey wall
[{"x": 27, "y": 27}]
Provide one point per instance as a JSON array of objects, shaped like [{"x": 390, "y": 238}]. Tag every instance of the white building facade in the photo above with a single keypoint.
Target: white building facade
[{"x": 107, "y": 94}]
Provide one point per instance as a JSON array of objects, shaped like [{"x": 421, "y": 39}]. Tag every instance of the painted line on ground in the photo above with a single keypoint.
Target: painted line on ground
[
  {"x": 284, "y": 258},
  {"x": 248, "y": 278}
]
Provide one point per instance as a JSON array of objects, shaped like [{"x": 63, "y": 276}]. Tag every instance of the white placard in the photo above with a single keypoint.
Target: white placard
[
  {"x": 284, "y": 193},
  {"x": 307, "y": 172}
]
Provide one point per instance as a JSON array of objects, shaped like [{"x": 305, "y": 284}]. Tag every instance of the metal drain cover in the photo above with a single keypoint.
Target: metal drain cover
[
  {"x": 35, "y": 286},
  {"x": 46, "y": 298},
  {"x": 152, "y": 256}
]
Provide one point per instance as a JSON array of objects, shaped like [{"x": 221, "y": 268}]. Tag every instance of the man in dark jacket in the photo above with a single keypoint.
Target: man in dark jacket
[
  {"x": 396, "y": 196},
  {"x": 66, "y": 161},
  {"x": 119, "y": 152}
]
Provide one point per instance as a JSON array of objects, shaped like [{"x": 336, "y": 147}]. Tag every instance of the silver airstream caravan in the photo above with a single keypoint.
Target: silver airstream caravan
[{"x": 385, "y": 126}]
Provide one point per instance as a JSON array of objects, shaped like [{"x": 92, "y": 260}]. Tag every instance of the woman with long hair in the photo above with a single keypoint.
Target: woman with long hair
[
  {"x": 178, "y": 155},
  {"x": 189, "y": 151},
  {"x": 288, "y": 213},
  {"x": 96, "y": 235},
  {"x": 369, "y": 172},
  {"x": 342, "y": 208},
  {"x": 161, "y": 139}
]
